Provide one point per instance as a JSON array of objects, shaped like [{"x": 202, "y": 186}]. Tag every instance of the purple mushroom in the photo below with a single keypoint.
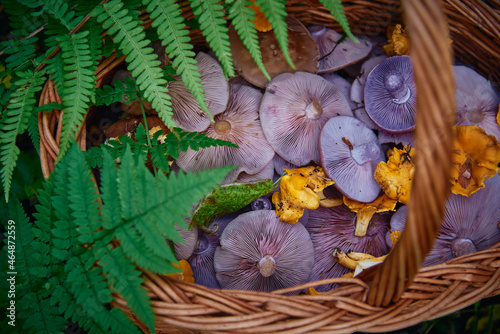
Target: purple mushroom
[
  {"x": 261, "y": 203},
  {"x": 266, "y": 173},
  {"x": 477, "y": 101},
  {"x": 343, "y": 85},
  {"x": 398, "y": 220},
  {"x": 390, "y": 94},
  {"x": 239, "y": 124},
  {"x": 183, "y": 250},
  {"x": 293, "y": 110},
  {"x": 403, "y": 138},
  {"x": 335, "y": 51},
  {"x": 358, "y": 85},
  {"x": 332, "y": 228},
  {"x": 470, "y": 224},
  {"x": 202, "y": 259},
  {"x": 259, "y": 252},
  {"x": 350, "y": 153}
]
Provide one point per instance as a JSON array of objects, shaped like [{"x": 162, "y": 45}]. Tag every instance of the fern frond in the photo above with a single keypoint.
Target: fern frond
[
  {"x": 241, "y": 17},
  {"x": 167, "y": 18},
  {"x": 179, "y": 140},
  {"x": 55, "y": 68},
  {"x": 142, "y": 62},
  {"x": 15, "y": 121},
  {"x": 20, "y": 52},
  {"x": 21, "y": 18},
  {"x": 33, "y": 132},
  {"x": 275, "y": 11},
  {"x": 111, "y": 94},
  {"x": 337, "y": 9},
  {"x": 36, "y": 313},
  {"x": 114, "y": 264},
  {"x": 210, "y": 14},
  {"x": 95, "y": 39},
  {"x": 78, "y": 88},
  {"x": 59, "y": 10}
]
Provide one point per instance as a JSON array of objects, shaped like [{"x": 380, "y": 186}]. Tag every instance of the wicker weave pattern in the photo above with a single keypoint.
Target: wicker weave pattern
[{"x": 434, "y": 291}]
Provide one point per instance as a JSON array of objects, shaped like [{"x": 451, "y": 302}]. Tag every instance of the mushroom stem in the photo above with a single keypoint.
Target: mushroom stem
[
  {"x": 363, "y": 218},
  {"x": 222, "y": 127},
  {"x": 462, "y": 246},
  {"x": 396, "y": 86},
  {"x": 267, "y": 266},
  {"x": 475, "y": 116},
  {"x": 314, "y": 109},
  {"x": 365, "y": 152}
]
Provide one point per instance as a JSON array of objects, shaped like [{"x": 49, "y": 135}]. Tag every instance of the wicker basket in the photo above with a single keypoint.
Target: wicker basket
[{"x": 396, "y": 294}]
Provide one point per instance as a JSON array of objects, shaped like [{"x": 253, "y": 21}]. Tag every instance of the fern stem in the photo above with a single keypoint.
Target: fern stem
[{"x": 75, "y": 30}]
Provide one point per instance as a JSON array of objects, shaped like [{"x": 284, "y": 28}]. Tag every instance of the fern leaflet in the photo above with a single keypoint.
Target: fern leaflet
[
  {"x": 241, "y": 17},
  {"x": 78, "y": 86},
  {"x": 55, "y": 67},
  {"x": 210, "y": 15},
  {"x": 171, "y": 29},
  {"x": 15, "y": 121},
  {"x": 111, "y": 94},
  {"x": 275, "y": 12},
  {"x": 336, "y": 8},
  {"x": 142, "y": 63},
  {"x": 33, "y": 132}
]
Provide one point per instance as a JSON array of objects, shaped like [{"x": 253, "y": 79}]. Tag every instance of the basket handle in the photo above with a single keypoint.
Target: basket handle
[{"x": 432, "y": 59}]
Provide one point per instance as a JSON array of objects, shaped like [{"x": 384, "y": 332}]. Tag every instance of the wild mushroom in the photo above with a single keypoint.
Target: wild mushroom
[
  {"x": 476, "y": 156},
  {"x": 398, "y": 220},
  {"x": 259, "y": 252},
  {"x": 336, "y": 51},
  {"x": 202, "y": 259},
  {"x": 261, "y": 203},
  {"x": 358, "y": 85},
  {"x": 403, "y": 138},
  {"x": 297, "y": 192},
  {"x": 332, "y": 228},
  {"x": 239, "y": 124},
  {"x": 186, "y": 273},
  {"x": 396, "y": 175},
  {"x": 365, "y": 211},
  {"x": 477, "y": 101},
  {"x": 390, "y": 94},
  {"x": 349, "y": 154},
  {"x": 266, "y": 173},
  {"x": 187, "y": 112},
  {"x": 302, "y": 48},
  {"x": 343, "y": 85},
  {"x": 293, "y": 110},
  {"x": 184, "y": 249},
  {"x": 399, "y": 43}
]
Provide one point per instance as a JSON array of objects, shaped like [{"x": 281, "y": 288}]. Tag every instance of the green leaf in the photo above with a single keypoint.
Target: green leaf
[
  {"x": 228, "y": 198},
  {"x": 116, "y": 93},
  {"x": 210, "y": 14},
  {"x": 241, "y": 17},
  {"x": 79, "y": 86},
  {"x": 167, "y": 18},
  {"x": 15, "y": 121},
  {"x": 275, "y": 11},
  {"x": 337, "y": 9},
  {"x": 142, "y": 62}
]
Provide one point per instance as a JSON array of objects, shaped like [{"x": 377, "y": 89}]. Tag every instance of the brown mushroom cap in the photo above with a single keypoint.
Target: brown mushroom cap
[
  {"x": 336, "y": 53},
  {"x": 301, "y": 46}
]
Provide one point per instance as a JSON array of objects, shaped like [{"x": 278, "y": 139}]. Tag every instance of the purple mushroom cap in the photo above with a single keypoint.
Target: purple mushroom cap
[
  {"x": 261, "y": 203},
  {"x": 266, "y": 173},
  {"x": 343, "y": 85},
  {"x": 390, "y": 94},
  {"x": 239, "y": 124},
  {"x": 183, "y": 250},
  {"x": 477, "y": 101},
  {"x": 470, "y": 224},
  {"x": 261, "y": 253},
  {"x": 403, "y": 138},
  {"x": 187, "y": 113},
  {"x": 398, "y": 220},
  {"x": 294, "y": 109},
  {"x": 336, "y": 53},
  {"x": 350, "y": 153},
  {"x": 332, "y": 228},
  {"x": 202, "y": 259},
  {"x": 358, "y": 85}
]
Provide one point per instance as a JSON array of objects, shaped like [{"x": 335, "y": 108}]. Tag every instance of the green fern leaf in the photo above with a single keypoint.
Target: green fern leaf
[
  {"x": 34, "y": 133},
  {"x": 142, "y": 62},
  {"x": 210, "y": 15},
  {"x": 15, "y": 121},
  {"x": 336, "y": 8},
  {"x": 55, "y": 68},
  {"x": 115, "y": 263},
  {"x": 19, "y": 52},
  {"x": 34, "y": 311},
  {"x": 111, "y": 208},
  {"x": 241, "y": 17},
  {"x": 59, "y": 10},
  {"x": 78, "y": 88},
  {"x": 167, "y": 18},
  {"x": 111, "y": 94},
  {"x": 275, "y": 11}
]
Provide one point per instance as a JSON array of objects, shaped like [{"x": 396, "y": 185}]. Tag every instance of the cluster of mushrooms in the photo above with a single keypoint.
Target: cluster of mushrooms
[{"x": 340, "y": 128}]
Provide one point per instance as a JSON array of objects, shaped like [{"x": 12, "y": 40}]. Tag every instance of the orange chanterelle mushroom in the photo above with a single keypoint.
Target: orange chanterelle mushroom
[
  {"x": 476, "y": 156},
  {"x": 299, "y": 191},
  {"x": 395, "y": 176}
]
